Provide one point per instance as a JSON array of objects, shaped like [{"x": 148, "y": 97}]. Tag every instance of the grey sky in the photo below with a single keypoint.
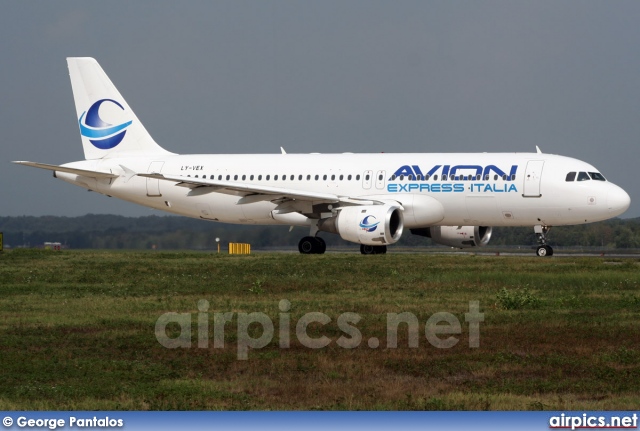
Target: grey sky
[{"x": 329, "y": 76}]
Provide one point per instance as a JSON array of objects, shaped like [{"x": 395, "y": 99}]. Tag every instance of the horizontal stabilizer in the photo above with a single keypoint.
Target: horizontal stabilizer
[{"x": 82, "y": 172}]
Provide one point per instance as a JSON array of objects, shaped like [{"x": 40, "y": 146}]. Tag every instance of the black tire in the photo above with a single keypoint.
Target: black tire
[
  {"x": 373, "y": 249},
  {"x": 367, "y": 249},
  {"x": 307, "y": 245},
  {"x": 321, "y": 246},
  {"x": 544, "y": 251}
]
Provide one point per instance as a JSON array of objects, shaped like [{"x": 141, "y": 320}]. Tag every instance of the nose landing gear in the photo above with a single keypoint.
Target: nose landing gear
[{"x": 543, "y": 249}]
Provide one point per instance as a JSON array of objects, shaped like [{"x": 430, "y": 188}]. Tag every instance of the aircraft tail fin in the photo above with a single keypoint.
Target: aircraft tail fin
[{"x": 108, "y": 126}]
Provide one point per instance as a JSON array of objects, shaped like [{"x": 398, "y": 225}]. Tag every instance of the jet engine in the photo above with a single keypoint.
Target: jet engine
[
  {"x": 367, "y": 224},
  {"x": 457, "y": 236}
]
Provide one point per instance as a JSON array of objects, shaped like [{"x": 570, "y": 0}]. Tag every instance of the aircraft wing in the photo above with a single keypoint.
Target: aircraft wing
[
  {"x": 56, "y": 168},
  {"x": 254, "y": 192}
]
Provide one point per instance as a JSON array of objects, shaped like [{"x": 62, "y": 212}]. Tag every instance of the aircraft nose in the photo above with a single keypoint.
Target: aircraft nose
[{"x": 618, "y": 200}]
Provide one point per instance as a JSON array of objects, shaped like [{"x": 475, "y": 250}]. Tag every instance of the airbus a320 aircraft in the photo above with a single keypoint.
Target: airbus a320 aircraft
[{"x": 368, "y": 199}]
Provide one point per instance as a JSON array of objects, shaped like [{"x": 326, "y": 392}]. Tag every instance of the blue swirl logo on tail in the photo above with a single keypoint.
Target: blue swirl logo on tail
[
  {"x": 100, "y": 133},
  {"x": 367, "y": 225}
]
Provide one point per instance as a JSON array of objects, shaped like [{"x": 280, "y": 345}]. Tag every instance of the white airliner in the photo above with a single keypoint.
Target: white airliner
[{"x": 368, "y": 199}]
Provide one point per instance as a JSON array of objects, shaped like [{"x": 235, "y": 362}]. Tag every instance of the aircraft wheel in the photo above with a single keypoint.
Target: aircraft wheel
[
  {"x": 307, "y": 245},
  {"x": 321, "y": 246},
  {"x": 544, "y": 251},
  {"x": 373, "y": 249},
  {"x": 367, "y": 249}
]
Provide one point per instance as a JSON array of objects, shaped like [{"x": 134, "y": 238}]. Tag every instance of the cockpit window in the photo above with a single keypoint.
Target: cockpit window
[
  {"x": 571, "y": 176},
  {"x": 597, "y": 176},
  {"x": 583, "y": 176}
]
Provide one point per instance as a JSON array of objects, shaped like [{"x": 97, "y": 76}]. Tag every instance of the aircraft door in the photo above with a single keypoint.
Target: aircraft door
[
  {"x": 366, "y": 179},
  {"x": 532, "y": 178},
  {"x": 153, "y": 185},
  {"x": 380, "y": 180}
]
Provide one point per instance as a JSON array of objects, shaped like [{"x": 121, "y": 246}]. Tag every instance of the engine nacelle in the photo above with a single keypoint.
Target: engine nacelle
[
  {"x": 457, "y": 236},
  {"x": 369, "y": 225}
]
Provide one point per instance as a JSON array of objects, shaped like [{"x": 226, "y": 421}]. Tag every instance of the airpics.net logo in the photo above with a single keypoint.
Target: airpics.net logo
[
  {"x": 441, "y": 330},
  {"x": 101, "y": 134}
]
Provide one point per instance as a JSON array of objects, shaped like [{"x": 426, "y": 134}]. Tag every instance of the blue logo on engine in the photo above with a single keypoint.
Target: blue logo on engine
[
  {"x": 368, "y": 225},
  {"x": 100, "y": 133}
]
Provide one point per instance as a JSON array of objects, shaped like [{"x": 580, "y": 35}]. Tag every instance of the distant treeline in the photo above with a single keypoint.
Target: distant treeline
[{"x": 95, "y": 231}]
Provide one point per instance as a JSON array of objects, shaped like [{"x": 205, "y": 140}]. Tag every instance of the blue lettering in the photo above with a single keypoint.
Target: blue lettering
[
  {"x": 413, "y": 187},
  {"x": 458, "y": 188},
  {"x": 424, "y": 187},
  {"x": 512, "y": 187},
  {"x": 447, "y": 187},
  {"x": 403, "y": 187},
  {"x": 476, "y": 168},
  {"x": 435, "y": 188},
  {"x": 392, "y": 188},
  {"x": 417, "y": 171},
  {"x": 434, "y": 170},
  {"x": 487, "y": 188},
  {"x": 404, "y": 170}
]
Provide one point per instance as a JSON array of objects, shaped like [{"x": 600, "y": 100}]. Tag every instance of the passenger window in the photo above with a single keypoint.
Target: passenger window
[
  {"x": 571, "y": 176},
  {"x": 367, "y": 177},
  {"x": 317, "y": 177},
  {"x": 228, "y": 177},
  {"x": 401, "y": 177},
  {"x": 308, "y": 177},
  {"x": 444, "y": 178},
  {"x": 324, "y": 177},
  {"x": 259, "y": 177},
  {"x": 597, "y": 176},
  {"x": 251, "y": 177},
  {"x": 341, "y": 177},
  {"x": 379, "y": 177},
  {"x": 583, "y": 176},
  {"x": 293, "y": 177},
  {"x": 504, "y": 177},
  {"x": 426, "y": 177},
  {"x": 435, "y": 178},
  {"x": 333, "y": 177},
  {"x": 244, "y": 177},
  {"x": 358, "y": 177},
  {"x": 349, "y": 178},
  {"x": 268, "y": 177},
  {"x": 513, "y": 177}
]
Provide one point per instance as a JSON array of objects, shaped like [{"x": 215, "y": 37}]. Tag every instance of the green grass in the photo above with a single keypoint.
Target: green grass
[{"x": 77, "y": 332}]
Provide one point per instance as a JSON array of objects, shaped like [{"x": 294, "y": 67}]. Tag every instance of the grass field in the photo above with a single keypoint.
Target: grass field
[{"x": 77, "y": 332}]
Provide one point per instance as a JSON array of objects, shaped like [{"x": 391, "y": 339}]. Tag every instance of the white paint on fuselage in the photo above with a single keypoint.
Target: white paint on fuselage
[{"x": 560, "y": 202}]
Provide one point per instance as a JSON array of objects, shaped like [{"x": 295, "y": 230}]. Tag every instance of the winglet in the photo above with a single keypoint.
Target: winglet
[
  {"x": 283, "y": 151},
  {"x": 538, "y": 150}
]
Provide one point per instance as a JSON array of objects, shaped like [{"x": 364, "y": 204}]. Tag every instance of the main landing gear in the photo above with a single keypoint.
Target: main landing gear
[
  {"x": 373, "y": 249},
  {"x": 543, "y": 249},
  {"x": 312, "y": 245}
]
